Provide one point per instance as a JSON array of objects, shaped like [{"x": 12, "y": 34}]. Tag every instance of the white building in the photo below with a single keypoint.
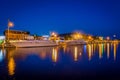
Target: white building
[{"x": 2, "y": 37}]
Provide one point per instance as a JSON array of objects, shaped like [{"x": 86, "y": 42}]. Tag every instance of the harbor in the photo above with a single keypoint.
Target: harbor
[
  {"x": 48, "y": 52},
  {"x": 59, "y": 39},
  {"x": 57, "y": 62},
  {"x": 17, "y": 39}
]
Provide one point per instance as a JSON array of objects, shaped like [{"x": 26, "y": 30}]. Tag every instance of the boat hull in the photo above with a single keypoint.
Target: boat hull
[{"x": 34, "y": 43}]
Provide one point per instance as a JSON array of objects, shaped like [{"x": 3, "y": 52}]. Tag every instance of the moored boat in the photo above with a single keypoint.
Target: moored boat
[
  {"x": 30, "y": 43},
  {"x": 16, "y": 38}
]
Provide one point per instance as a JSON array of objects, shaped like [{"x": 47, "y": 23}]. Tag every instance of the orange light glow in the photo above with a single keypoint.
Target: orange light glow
[
  {"x": 54, "y": 55},
  {"x": 108, "y": 50},
  {"x": 10, "y": 24},
  {"x": 114, "y": 51},
  {"x": 100, "y": 50},
  {"x": 100, "y": 38},
  {"x": 76, "y": 54},
  {"x": 90, "y": 37},
  {"x": 54, "y": 34},
  {"x": 11, "y": 66},
  {"x": 89, "y": 52},
  {"x": 77, "y": 35}
]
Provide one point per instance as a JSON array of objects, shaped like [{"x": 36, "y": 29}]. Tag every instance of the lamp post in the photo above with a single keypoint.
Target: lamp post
[{"x": 10, "y": 24}]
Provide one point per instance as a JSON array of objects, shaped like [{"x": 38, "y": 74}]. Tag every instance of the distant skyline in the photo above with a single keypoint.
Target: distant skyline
[{"x": 96, "y": 17}]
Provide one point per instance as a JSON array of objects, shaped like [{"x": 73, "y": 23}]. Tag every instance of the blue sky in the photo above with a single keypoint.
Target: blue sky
[{"x": 96, "y": 17}]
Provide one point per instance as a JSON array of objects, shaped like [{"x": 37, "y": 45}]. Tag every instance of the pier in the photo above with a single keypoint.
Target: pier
[{"x": 104, "y": 41}]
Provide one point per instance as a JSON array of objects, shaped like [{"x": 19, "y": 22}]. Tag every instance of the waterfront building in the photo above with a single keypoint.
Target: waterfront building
[{"x": 16, "y": 34}]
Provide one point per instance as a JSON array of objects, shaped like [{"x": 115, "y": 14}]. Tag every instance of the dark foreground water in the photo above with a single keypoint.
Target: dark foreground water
[{"x": 92, "y": 61}]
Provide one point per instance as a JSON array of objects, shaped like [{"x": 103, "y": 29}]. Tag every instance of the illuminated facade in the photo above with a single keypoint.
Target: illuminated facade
[{"x": 16, "y": 35}]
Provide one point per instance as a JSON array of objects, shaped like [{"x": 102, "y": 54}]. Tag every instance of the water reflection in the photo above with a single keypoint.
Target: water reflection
[
  {"x": 1, "y": 56},
  {"x": 100, "y": 50},
  {"x": 53, "y": 53},
  {"x": 64, "y": 48},
  {"x": 114, "y": 51},
  {"x": 108, "y": 50},
  {"x": 89, "y": 51},
  {"x": 115, "y": 45},
  {"x": 11, "y": 61},
  {"x": 75, "y": 53},
  {"x": 11, "y": 66}
]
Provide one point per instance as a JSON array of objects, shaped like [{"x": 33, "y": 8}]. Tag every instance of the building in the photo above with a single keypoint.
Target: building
[
  {"x": 72, "y": 36},
  {"x": 2, "y": 37},
  {"x": 16, "y": 35},
  {"x": 65, "y": 36},
  {"x": 45, "y": 37}
]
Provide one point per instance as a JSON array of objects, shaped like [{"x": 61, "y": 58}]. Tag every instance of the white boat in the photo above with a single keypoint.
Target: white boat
[{"x": 30, "y": 43}]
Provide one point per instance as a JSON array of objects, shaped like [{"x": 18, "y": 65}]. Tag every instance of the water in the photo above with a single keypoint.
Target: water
[{"x": 92, "y": 61}]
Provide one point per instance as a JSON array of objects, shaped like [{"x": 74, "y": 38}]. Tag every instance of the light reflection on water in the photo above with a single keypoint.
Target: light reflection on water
[
  {"x": 1, "y": 56},
  {"x": 11, "y": 66},
  {"x": 54, "y": 53},
  {"x": 108, "y": 50}
]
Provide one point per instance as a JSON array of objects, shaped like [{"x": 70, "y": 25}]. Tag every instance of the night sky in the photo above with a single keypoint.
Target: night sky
[{"x": 96, "y": 17}]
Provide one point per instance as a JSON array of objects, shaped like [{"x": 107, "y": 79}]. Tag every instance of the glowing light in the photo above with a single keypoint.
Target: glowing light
[
  {"x": 76, "y": 54},
  {"x": 108, "y": 38},
  {"x": 114, "y": 35},
  {"x": 80, "y": 54},
  {"x": 54, "y": 55},
  {"x": 114, "y": 51},
  {"x": 116, "y": 41},
  {"x": 102, "y": 48},
  {"x": 92, "y": 49},
  {"x": 90, "y": 37},
  {"x": 11, "y": 66},
  {"x": 108, "y": 50},
  {"x": 10, "y": 24},
  {"x": 94, "y": 46},
  {"x": 100, "y": 51},
  {"x": 89, "y": 52},
  {"x": 100, "y": 38},
  {"x": 77, "y": 35},
  {"x": 54, "y": 34}
]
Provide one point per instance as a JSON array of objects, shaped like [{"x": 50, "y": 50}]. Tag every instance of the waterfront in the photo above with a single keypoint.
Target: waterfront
[{"x": 93, "y": 61}]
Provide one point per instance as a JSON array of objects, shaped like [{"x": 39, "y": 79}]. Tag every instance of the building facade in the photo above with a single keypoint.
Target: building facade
[{"x": 16, "y": 35}]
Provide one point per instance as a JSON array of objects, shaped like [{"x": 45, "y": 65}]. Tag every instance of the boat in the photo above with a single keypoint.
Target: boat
[
  {"x": 30, "y": 43},
  {"x": 17, "y": 38}
]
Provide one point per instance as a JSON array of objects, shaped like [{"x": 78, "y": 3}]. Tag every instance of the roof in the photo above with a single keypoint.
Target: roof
[{"x": 17, "y": 31}]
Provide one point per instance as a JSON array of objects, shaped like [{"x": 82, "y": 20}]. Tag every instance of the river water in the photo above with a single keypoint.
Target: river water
[{"x": 91, "y": 61}]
